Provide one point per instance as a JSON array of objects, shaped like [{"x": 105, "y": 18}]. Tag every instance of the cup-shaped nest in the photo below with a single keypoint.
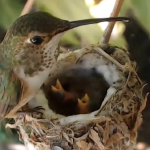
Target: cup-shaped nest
[{"x": 113, "y": 124}]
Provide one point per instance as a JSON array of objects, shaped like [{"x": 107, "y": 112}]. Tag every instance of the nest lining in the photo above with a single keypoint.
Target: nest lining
[{"x": 113, "y": 126}]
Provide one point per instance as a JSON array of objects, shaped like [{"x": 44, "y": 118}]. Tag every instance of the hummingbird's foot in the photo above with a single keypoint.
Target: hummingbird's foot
[
  {"x": 83, "y": 104},
  {"x": 60, "y": 90},
  {"x": 35, "y": 112}
]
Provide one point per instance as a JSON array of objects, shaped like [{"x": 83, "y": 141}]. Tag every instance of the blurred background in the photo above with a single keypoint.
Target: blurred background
[{"x": 133, "y": 36}]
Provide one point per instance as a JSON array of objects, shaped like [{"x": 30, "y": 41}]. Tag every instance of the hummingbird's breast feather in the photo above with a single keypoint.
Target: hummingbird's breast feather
[
  {"x": 30, "y": 86},
  {"x": 32, "y": 82}
]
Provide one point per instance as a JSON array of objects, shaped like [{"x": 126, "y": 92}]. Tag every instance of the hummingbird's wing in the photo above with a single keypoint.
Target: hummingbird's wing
[{"x": 10, "y": 92}]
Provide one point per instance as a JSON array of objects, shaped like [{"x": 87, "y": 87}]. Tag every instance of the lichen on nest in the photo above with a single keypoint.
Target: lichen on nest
[{"x": 114, "y": 126}]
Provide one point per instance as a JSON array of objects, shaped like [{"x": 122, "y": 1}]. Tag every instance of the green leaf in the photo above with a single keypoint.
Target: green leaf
[
  {"x": 9, "y": 11},
  {"x": 141, "y": 11}
]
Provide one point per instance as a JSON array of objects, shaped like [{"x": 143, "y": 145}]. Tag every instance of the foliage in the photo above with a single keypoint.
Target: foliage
[
  {"x": 9, "y": 11},
  {"x": 141, "y": 11}
]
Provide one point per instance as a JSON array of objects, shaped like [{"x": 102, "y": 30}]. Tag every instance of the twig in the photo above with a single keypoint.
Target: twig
[
  {"x": 106, "y": 37},
  {"x": 27, "y": 7},
  {"x": 114, "y": 61}
]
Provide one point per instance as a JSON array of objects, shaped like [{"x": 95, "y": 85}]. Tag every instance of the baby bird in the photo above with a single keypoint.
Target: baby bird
[{"x": 76, "y": 90}]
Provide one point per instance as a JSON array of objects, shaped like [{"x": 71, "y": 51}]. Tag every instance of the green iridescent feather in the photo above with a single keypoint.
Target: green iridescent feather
[{"x": 10, "y": 88}]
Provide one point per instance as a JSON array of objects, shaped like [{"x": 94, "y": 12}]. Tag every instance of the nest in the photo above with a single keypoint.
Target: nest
[{"x": 114, "y": 126}]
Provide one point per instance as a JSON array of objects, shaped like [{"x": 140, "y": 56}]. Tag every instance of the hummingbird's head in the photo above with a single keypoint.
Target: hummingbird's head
[
  {"x": 34, "y": 30},
  {"x": 32, "y": 40}
]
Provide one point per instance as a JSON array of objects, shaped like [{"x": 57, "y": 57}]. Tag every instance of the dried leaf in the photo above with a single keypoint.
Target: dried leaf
[
  {"x": 143, "y": 103},
  {"x": 114, "y": 139},
  {"x": 94, "y": 136},
  {"x": 70, "y": 140},
  {"x": 101, "y": 130},
  {"x": 83, "y": 145},
  {"x": 82, "y": 137},
  {"x": 106, "y": 132}
]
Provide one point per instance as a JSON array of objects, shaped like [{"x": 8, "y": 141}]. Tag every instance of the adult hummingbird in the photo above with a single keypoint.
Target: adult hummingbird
[{"x": 28, "y": 54}]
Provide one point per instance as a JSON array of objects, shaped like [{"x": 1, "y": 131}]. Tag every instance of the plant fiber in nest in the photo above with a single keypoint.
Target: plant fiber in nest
[{"x": 113, "y": 127}]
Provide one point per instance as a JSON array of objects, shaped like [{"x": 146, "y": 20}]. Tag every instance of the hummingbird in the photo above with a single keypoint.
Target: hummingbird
[{"x": 28, "y": 55}]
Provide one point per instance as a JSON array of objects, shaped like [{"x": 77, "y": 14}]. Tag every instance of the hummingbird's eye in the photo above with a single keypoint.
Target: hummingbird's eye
[{"x": 37, "y": 40}]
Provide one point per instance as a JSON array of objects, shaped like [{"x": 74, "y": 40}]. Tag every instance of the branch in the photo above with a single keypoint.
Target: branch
[
  {"x": 106, "y": 37},
  {"x": 27, "y": 7}
]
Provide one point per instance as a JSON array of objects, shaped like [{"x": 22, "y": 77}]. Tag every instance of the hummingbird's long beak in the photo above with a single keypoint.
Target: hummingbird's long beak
[{"x": 74, "y": 24}]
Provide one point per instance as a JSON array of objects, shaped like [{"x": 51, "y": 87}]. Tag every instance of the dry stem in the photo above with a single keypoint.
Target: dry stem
[
  {"x": 27, "y": 7},
  {"x": 106, "y": 37}
]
